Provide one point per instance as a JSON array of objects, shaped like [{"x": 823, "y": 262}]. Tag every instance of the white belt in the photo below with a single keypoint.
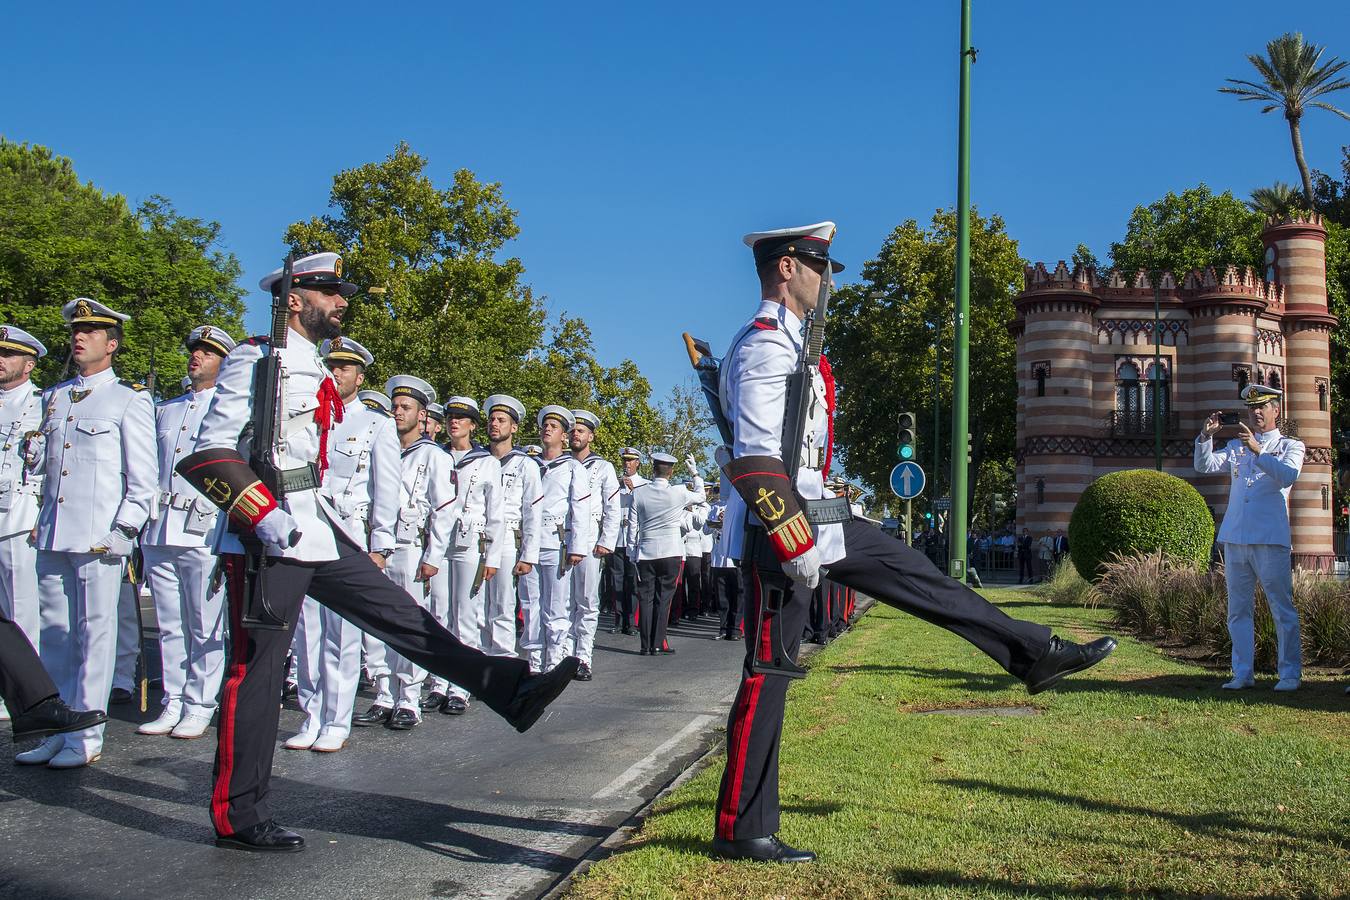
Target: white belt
[{"x": 170, "y": 500}]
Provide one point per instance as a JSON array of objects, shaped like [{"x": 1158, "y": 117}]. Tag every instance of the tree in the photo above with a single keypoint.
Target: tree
[
  {"x": 882, "y": 345},
  {"x": 1278, "y": 200},
  {"x": 60, "y": 239},
  {"x": 1193, "y": 229},
  {"x": 686, "y": 422},
  {"x": 1292, "y": 80}
]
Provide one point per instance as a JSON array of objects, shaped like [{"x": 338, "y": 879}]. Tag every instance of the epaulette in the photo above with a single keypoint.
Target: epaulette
[
  {"x": 380, "y": 411},
  {"x": 256, "y": 340},
  {"x": 765, "y": 323},
  {"x": 134, "y": 385}
]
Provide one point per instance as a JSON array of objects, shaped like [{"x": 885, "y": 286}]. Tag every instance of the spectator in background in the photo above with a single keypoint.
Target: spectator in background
[
  {"x": 1061, "y": 546},
  {"x": 1026, "y": 557}
]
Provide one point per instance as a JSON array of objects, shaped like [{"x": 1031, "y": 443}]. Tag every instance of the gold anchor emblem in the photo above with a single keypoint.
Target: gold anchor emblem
[
  {"x": 217, "y": 490},
  {"x": 765, "y": 503}
]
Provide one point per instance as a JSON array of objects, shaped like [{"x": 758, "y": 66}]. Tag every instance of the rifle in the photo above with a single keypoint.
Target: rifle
[
  {"x": 800, "y": 381},
  {"x": 264, "y": 439}
]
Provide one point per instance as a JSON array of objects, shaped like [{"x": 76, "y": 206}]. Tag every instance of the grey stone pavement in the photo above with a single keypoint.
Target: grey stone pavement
[{"x": 459, "y": 807}]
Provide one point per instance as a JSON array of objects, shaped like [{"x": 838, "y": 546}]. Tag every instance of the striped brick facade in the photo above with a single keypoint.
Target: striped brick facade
[{"x": 1079, "y": 339}]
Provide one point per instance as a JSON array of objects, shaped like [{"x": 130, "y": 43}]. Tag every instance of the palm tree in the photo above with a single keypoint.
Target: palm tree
[
  {"x": 1292, "y": 80},
  {"x": 1278, "y": 200}
]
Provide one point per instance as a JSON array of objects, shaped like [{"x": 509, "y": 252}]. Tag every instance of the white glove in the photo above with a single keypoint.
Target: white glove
[
  {"x": 278, "y": 530},
  {"x": 804, "y": 569},
  {"x": 690, "y": 465},
  {"x": 114, "y": 543},
  {"x": 722, "y": 456}
]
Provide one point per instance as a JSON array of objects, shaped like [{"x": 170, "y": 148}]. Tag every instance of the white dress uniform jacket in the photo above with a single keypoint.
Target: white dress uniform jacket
[
  {"x": 426, "y": 509},
  {"x": 99, "y": 461},
  {"x": 181, "y": 517},
  {"x": 716, "y": 517},
  {"x": 628, "y": 533},
  {"x": 764, "y": 353},
  {"x": 657, "y": 513},
  {"x": 20, "y": 414},
  {"x": 563, "y": 501},
  {"x": 478, "y": 498},
  {"x": 362, "y": 481},
  {"x": 695, "y": 517},
  {"x": 1258, "y": 502},
  {"x": 303, "y": 370},
  {"x": 602, "y": 519},
  {"x": 521, "y": 489}
]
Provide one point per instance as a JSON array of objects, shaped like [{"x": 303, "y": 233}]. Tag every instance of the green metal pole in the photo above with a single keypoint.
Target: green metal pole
[
  {"x": 1157, "y": 374},
  {"x": 961, "y": 343}
]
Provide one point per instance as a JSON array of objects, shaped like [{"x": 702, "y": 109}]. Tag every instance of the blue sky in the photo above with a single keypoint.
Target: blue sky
[{"x": 640, "y": 141}]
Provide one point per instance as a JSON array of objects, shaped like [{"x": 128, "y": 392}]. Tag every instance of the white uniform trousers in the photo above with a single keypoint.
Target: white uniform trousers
[
  {"x": 533, "y": 637},
  {"x": 402, "y": 570},
  {"x": 499, "y": 627},
  {"x": 1244, "y": 565},
  {"x": 555, "y": 607},
  {"x": 128, "y": 637},
  {"x": 466, "y": 614},
  {"x": 585, "y": 608},
  {"x": 379, "y": 659},
  {"x": 327, "y": 667},
  {"x": 191, "y": 622},
  {"x": 78, "y": 597},
  {"x": 18, "y": 585}
]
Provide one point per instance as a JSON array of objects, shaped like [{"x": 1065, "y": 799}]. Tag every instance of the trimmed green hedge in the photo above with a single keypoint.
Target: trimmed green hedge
[{"x": 1139, "y": 511}]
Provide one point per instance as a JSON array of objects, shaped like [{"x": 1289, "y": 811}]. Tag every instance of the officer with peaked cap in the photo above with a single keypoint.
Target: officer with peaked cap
[
  {"x": 545, "y": 592},
  {"x": 310, "y": 551},
  {"x": 421, "y": 534},
  {"x": 20, "y": 414},
  {"x": 521, "y": 490},
  {"x": 178, "y": 549},
  {"x": 96, "y": 450},
  {"x": 1263, "y": 465},
  {"x": 476, "y": 541},
  {"x": 657, "y": 513},
  {"x": 781, "y": 533},
  {"x": 621, "y": 565},
  {"x": 602, "y": 525},
  {"x": 375, "y": 400},
  {"x": 362, "y": 485}
]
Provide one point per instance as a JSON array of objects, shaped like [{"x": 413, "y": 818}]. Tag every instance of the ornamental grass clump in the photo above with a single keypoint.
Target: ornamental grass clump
[{"x": 1066, "y": 587}]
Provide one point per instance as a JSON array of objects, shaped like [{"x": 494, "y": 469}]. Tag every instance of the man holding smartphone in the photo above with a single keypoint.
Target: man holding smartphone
[{"x": 1263, "y": 465}]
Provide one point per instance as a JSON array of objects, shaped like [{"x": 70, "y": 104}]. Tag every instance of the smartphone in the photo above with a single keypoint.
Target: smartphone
[{"x": 1230, "y": 418}]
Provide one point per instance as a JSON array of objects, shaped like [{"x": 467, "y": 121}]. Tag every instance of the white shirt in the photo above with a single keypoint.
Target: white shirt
[
  {"x": 362, "y": 481},
  {"x": 521, "y": 489},
  {"x": 695, "y": 517},
  {"x": 658, "y": 511},
  {"x": 426, "y": 500},
  {"x": 20, "y": 415},
  {"x": 99, "y": 461},
  {"x": 753, "y": 390},
  {"x": 628, "y": 534},
  {"x": 1258, "y": 500},
  {"x": 181, "y": 517},
  {"x": 478, "y": 500},
  {"x": 602, "y": 503},
  {"x": 563, "y": 503}
]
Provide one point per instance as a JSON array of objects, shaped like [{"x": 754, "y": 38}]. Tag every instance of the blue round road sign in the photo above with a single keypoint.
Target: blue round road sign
[{"x": 907, "y": 480}]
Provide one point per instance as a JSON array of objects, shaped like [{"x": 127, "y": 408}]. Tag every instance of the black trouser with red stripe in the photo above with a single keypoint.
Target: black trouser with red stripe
[
  {"x": 354, "y": 588},
  {"x": 656, "y": 587},
  {"x": 882, "y": 567},
  {"x": 728, "y": 584},
  {"x": 24, "y": 683}
]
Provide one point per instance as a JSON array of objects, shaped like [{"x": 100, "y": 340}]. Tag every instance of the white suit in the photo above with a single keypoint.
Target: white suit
[
  {"x": 520, "y": 513},
  {"x": 545, "y": 591},
  {"x": 20, "y": 414},
  {"x": 601, "y": 524}
]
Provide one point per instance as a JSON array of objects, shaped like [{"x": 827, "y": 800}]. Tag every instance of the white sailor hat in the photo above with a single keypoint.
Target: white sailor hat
[
  {"x": 533, "y": 450},
  {"x": 345, "y": 350},
  {"x": 462, "y": 408},
  {"x": 410, "y": 386},
  {"x": 436, "y": 411},
  {"x": 375, "y": 400},
  {"x": 314, "y": 271},
  {"x": 83, "y": 311},
  {"x": 1255, "y": 395},
  {"x": 213, "y": 337},
  {"x": 804, "y": 240},
  {"x": 560, "y": 413},
  {"x": 14, "y": 338},
  {"x": 665, "y": 458},
  {"x": 630, "y": 453},
  {"x": 507, "y": 404},
  {"x": 587, "y": 418}
]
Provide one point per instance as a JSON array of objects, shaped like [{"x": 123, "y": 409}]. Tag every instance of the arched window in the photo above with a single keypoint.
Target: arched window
[
  {"x": 1127, "y": 392},
  {"x": 1275, "y": 379},
  {"x": 1157, "y": 377},
  {"x": 1322, "y": 390}
]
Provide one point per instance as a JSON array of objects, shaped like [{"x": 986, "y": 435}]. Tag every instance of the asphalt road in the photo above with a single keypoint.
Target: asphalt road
[{"x": 459, "y": 807}]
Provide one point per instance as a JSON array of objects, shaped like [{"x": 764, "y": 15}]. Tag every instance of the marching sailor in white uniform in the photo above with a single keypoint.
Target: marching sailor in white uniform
[
  {"x": 622, "y": 563},
  {"x": 545, "y": 592},
  {"x": 601, "y": 525},
  {"x": 177, "y": 547},
  {"x": 97, "y": 452},
  {"x": 1255, "y": 532},
  {"x": 521, "y": 488}
]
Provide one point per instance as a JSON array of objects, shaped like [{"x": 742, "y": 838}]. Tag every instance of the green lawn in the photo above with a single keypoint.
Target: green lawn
[{"x": 1138, "y": 777}]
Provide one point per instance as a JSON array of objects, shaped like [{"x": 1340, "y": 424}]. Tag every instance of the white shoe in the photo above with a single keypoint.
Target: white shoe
[
  {"x": 1239, "y": 684},
  {"x": 42, "y": 753},
  {"x": 192, "y": 726},
  {"x": 4, "y": 712},
  {"x": 70, "y": 758},
  {"x": 302, "y": 741},
  {"x": 329, "y": 743},
  {"x": 1288, "y": 684},
  {"x": 166, "y": 721}
]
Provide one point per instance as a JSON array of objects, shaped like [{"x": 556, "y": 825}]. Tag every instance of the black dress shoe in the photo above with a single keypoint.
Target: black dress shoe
[
  {"x": 403, "y": 720},
  {"x": 455, "y": 706},
  {"x": 434, "y": 700},
  {"x": 627, "y": 630},
  {"x": 764, "y": 849},
  {"x": 119, "y": 697},
  {"x": 265, "y": 837},
  {"x": 376, "y": 715},
  {"x": 583, "y": 673},
  {"x": 536, "y": 692},
  {"x": 1064, "y": 658},
  {"x": 731, "y": 637},
  {"x": 52, "y": 716}
]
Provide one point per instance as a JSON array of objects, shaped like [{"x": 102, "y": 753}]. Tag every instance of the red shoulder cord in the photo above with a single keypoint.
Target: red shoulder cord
[
  {"x": 330, "y": 411},
  {"x": 827, "y": 374}
]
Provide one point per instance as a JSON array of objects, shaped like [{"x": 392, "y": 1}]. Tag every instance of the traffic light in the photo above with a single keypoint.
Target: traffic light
[
  {"x": 909, "y": 437},
  {"x": 970, "y": 448}
]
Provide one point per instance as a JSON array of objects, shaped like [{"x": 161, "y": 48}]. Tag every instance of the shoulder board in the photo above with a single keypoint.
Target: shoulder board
[
  {"x": 765, "y": 323},
  {"x": 257, "y": 340},
  {"x": 134, "y": 385},
  {"x": 379, "y": 412}
]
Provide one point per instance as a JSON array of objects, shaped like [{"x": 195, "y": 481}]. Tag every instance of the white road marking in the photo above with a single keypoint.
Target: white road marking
[{"x": 650, "y": 763}]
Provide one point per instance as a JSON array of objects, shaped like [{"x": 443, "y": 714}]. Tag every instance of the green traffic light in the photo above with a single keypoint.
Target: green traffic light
[{"x": 907, "y": 451}]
